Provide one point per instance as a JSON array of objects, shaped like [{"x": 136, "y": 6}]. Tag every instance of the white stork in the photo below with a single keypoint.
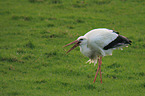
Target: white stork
[{"x": 98, "y": 43}]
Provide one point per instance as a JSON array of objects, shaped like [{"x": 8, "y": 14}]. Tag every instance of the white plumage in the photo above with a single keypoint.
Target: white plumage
[
  {"x": 97, "y": 39},
  {"x": 98, "y": 43}
]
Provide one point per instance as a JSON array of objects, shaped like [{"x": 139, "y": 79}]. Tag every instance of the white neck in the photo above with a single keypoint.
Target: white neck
[{"x": 85, "y": 50}]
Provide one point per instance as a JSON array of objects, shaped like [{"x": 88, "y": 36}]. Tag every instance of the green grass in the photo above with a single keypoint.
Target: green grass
[{"x": 33, "y": 62}]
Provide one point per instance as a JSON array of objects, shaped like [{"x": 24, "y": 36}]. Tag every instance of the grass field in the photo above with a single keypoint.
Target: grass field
[{"x": 33, "y": 62}]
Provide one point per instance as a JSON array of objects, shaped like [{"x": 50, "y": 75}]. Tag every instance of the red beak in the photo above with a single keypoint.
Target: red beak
[{"x": 77, "y": 44}]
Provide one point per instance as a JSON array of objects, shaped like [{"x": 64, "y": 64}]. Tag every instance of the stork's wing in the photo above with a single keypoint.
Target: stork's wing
[
  {"x": 118, "y": 42},
  {"x": 106, "y": 39},
  {"x": 100, "y": 37}
]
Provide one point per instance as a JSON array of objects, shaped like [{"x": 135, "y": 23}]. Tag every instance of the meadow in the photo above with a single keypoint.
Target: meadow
[{"x": 33, "y": 61}]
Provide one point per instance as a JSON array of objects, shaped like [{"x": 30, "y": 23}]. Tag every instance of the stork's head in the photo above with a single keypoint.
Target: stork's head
[{"x": 80, "y": 41}]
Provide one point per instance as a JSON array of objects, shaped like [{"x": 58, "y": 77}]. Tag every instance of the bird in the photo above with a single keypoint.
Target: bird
[{"x": 98, "y": 43}]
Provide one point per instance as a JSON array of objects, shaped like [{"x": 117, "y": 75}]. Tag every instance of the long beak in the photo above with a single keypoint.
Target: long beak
[{"x": 77, "y": 44}]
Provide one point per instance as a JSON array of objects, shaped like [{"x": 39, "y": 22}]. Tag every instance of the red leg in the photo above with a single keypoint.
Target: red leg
[
  {"x": 100, "y": 69},
  {"x": 97, "y": 70}
]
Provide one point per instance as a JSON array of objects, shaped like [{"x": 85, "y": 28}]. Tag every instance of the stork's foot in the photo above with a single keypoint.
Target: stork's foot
[
  {"x": 92, "y": 61},
  {"x": 89, "y": 61}
]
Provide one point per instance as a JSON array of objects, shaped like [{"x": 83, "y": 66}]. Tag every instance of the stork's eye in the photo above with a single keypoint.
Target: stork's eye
[{"x": 81, "y": 39}]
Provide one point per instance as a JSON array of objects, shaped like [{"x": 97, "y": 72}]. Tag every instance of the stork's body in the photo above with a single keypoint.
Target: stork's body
[{"x": 98, "y": 43}]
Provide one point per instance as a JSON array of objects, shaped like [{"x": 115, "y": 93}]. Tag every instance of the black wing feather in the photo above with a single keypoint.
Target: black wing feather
[
  {"x": 119, "y": 41},
  {"x": 116, "y": 32}
]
